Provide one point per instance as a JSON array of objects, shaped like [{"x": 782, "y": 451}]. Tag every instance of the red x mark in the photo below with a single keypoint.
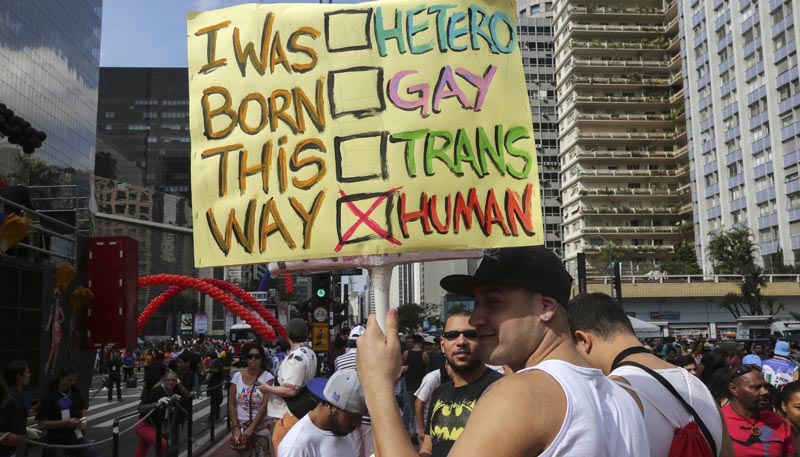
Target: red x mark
[{"x": 363, "y": 217}]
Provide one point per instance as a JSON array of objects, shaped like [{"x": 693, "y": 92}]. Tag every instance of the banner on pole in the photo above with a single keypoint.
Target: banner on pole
[{"x": 322, "y": 131}]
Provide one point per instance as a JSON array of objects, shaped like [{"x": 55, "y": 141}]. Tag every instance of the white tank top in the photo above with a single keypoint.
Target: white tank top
[
  {"x": 602, "y": 420},
  {"x": 661, "y": 429}
]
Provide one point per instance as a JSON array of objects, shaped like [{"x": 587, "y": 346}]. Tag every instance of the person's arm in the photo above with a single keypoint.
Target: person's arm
[
  {"x": 232, "y": 412},
  {"x": 12, "y": 439},
  {"x": 282, "y": 391},
  {"x": 378, "y": 363},
  {"x": 262, "y": 411},
  {"x": 528, "y": 434},
  {"x": 426, "y": 446},
  {"x": 419, "y": 405},
  {"x": 727, "y": 444}
]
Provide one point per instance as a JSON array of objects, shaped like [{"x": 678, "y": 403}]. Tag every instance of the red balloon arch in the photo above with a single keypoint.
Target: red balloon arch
[{"x": 216, "y": 289}]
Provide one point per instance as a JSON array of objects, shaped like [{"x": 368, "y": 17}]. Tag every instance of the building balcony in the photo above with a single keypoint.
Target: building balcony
[
  {"x": 628, "y": 249},
  {"x": 642, "y": 155},
  {"x": 641, "y": 230},
  {"x": 584, "y": 11},
  {"x": 619, "y": 63},
  {"x": 627, "y": 211},
  {"x": 614, "y": 99},
  {"x": 628, "y": 136},
  {"x": 619, "y": 192},
  {"x": 652, "y": 44},
  {"x": 618, "y": 29},
  {"x": 633, "y": 79},
  {"x": 633, "y": 173},
  {"x": 624, "y": 117}
]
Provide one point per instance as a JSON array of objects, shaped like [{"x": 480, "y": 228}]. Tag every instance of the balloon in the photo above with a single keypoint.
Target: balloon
[
  {"x": 289, "y": 284},
  {"x": 186, "y": 282},
  {"x": 262, "y": 286}
]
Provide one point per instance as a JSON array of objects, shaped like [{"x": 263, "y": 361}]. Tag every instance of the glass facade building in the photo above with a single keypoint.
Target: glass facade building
[
  {"x": 743, "y": 117},
  {"x": 50, "y": 51},
  {"x": 143, "y": 128}
]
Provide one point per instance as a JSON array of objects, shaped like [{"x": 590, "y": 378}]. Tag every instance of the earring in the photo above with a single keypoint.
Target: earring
[{"x": 546, "y": 318}]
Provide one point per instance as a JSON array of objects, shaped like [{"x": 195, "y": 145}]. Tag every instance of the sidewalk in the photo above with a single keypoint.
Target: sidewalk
[{"x": 220, "y": 447}]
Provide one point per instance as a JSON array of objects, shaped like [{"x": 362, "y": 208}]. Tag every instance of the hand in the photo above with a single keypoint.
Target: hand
[
  {"x": 378, "y": 356},
  {"x": 163, "y": 401},
  {"x": 72, "y": 422},
  {"x": 33, "y": 433},
  {"x": 175, "y": 397},
  {"x": 264, "y": 388},
  {"x": 248, "y": 432},
  {"x": 237, "y": 433}
]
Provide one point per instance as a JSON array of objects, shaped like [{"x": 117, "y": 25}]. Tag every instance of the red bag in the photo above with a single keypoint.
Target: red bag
[{"x": 690, "y": 442}]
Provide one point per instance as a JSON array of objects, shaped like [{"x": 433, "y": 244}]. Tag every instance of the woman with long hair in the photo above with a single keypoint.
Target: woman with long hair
[
  {"x": 62, "y": 411},
  {"x": 247, "y": 406}
]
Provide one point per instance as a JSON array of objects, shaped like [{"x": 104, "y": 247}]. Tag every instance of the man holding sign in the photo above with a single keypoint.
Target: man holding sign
[{"x": 520, "y": 294}]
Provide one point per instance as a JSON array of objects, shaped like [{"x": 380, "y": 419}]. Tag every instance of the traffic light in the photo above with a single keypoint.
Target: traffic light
[
  {"x": 19, "y": 131},
  {"x": 321, "y": 287},
  {"x": 616, "y": 277}
]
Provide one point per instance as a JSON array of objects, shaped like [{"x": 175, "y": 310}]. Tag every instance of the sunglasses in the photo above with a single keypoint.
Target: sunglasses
[
  {"x": 742, "y": 370},
  {"x": 254, "y": 356},
  {"x": 454, "y": 334}
]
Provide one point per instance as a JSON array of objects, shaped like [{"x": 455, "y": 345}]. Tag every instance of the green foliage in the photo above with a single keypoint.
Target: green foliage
[
  {"x": 412, "y": 315},
  {"x": 684, "y": 262},
  {"x": 610, "y": 252},
  {"x": 732, "y": 250},
  {"x": 33, "y": 171},
  {"x": 779, "y": 266}
]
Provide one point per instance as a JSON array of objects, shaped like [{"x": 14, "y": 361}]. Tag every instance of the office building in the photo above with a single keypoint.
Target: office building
[
  {"x": 143, "y": 128},
  {"x": 49, "y": 76},
  {"x": 622, "y": 138},
  {"x": 742, "y": 115}
]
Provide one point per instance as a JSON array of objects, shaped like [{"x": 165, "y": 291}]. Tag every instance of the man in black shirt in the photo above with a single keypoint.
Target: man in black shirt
[
  {"x": 416, "y": 361},
  {"x": 114, "y": 370},
  {"x": 452, "y": 402}
]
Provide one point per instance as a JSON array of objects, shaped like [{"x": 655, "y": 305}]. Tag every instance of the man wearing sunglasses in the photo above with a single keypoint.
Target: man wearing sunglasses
[
  {"x": 754, "y": 429},
  {"x": 553, "y": 405},
  {"x": 453, "y": 401}
]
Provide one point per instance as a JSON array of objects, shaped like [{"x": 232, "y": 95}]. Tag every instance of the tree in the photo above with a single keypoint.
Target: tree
[
  {"x": 684, "y": 263},
  {"x": 733, "y": 252},
  {"x": 411, "y": 315},
  {"x": 778, "y": 265},
  {"x": 610, "y": 253}
]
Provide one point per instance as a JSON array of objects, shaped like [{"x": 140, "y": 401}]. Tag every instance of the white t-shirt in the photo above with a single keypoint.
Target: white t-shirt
[
  {"x": 297, "y": 369},
  {"x": 601, "y": 420},
  {"x": 660, "y": 431},
  {"x": 304, "y": 439},
  {"x": 245, "y": 394},
  {"x": 429, "y": 383}
]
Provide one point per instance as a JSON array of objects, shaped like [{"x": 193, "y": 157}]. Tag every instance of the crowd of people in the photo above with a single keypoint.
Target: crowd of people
[{"x": 528, "y": 372}]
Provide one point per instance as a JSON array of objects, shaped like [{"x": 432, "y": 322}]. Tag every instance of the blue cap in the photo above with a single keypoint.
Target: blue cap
[
  {"x": 752, "y": 359},
  {"x": 782, "y": 348}
]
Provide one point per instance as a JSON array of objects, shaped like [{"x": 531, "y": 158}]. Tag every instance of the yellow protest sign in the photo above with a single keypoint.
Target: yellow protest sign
[{"x": 322, "y": 131}]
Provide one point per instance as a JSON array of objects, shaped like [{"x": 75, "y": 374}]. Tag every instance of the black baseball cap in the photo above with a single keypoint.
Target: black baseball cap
[{"x": 533, "y": 267}]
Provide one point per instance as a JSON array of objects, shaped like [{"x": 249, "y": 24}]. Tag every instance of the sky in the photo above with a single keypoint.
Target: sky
[{"x": 152, "y": 33}]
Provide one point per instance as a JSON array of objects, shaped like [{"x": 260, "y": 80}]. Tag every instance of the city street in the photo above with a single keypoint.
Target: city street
[{"x": 102, "y": 414}]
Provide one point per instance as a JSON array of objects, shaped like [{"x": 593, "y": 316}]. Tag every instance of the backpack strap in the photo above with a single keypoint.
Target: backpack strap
[{"x": 685, "y": 404}]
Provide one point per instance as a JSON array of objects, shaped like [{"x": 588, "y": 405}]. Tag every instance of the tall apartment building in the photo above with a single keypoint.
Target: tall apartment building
[
  {"x": 622, "y": 137},
  {"x": 536, "y": 46},
  {"x": 742, "y": 115}
]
